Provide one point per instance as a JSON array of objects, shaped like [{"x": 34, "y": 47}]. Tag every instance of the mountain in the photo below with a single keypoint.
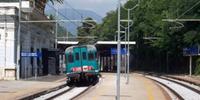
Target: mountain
[{"x": 72, "y": 14}]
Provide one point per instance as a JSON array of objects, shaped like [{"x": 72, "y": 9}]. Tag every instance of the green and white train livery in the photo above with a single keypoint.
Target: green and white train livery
[{"x": 81, "y": 63}]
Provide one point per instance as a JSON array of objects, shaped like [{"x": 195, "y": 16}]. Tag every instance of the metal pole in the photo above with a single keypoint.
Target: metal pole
[
  {"x": 190, "y": 67},
  {"x": 127, "y": 81},
  {"x": 18, "y": 41},
  {"x": 36, "y": 68},
  {"x": 67, "y": 34},
  {"x": 118, "y": 55},
  {"x": 56, "y": 34},
  {"x": 125, "y": 65},
  {"x": 25, "y": 67},
  {"x": 167, "y": 62},
  {"x": 5, "y": 36}
]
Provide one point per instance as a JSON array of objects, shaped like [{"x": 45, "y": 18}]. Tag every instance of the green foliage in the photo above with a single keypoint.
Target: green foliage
[
  {"x": 62, "y": 32},
  {"x": 86, "y": 30},
  {"x": 107, "y": 30},
  {"x": 192, "y": 37},
  {"x": 147, "y": 18}
]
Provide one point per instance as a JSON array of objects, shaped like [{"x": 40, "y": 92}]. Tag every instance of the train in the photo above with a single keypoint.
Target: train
[{"x": 81, "y": 63}]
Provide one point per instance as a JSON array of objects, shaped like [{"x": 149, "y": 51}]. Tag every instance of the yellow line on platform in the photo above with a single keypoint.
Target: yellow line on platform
[{"x": 149, "y": 90}]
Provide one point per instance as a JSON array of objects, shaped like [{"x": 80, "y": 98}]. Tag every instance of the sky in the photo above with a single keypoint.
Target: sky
[{"x": 100, "y": 7}]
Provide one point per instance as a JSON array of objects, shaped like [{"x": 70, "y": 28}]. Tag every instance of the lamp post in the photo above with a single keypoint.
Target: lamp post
[
  {"x": 118, "y": 55},
  {"x": 56, "y": 33},
  {"x": 128, "y": 53},
  {"x": 18, "y": 41}
]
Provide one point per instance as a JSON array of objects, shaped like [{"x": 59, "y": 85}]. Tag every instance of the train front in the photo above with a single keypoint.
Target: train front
[{"x": 81, "y": 63}]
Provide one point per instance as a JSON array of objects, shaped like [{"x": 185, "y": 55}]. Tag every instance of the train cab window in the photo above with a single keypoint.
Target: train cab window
[
  {"x": 95, "y": 55},
  {"x": 70, "y": 58},
  {"x": 77, "y": 56},
  {"x": 84, "y": 55},
  {"x": 91, "y": 56}
]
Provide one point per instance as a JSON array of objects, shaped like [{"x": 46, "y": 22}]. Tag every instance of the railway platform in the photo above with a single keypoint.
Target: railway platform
[
  {"x": 139, "y": 88},
  {"x": 11, "y": 90}
]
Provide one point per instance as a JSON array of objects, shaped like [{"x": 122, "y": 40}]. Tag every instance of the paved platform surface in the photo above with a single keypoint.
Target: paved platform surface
[
  {"x": 139, "y": 88},
  {"x": 11, "y": 90}
]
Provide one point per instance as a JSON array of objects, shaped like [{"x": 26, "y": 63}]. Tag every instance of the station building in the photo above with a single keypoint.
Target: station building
[{"x": 35, "y": 37}]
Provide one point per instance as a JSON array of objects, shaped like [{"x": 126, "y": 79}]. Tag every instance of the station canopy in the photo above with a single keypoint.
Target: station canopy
[
  {"x": 107, "y": 45},
  {"x": 100, "y": 45}
]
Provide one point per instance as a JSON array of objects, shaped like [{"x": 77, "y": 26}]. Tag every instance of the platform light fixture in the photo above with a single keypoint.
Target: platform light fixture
[
  {"x": 18, "y": 41},
  {"x": 129, "y": 25}
]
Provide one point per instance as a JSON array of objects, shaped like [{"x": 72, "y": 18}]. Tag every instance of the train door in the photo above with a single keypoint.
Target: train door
[
  {"x": 77, "y": 59},
  {"x": 84, "y": 56},
  {"x": 80, "y": 57}
]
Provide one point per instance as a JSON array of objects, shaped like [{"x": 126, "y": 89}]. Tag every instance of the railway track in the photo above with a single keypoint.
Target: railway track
[
  {"x": 65, "y": 93},
  {"x": 182, "y": 90}
]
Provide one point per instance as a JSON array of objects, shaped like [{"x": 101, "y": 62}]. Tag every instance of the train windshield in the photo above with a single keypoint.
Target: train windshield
[
  {"x": 84, "y": 55},
  {"x": 91, "y": 56},
  {"x": 77, "y": 56}
]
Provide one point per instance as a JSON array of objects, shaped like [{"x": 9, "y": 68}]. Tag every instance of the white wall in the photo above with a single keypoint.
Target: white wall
[
  {"x": 29, "y": 38},
  {"x": 7, "y": 46}
]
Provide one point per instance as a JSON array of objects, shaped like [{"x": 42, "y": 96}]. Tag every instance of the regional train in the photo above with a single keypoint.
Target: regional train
[{"x": 81, "y": 63}]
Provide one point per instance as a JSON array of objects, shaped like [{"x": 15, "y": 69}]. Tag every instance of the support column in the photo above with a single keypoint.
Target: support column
[
  {"x": 61, "y": 63},
  {"x": 100, "y": 62},
  {"x": 103, "y": 63},
  {"x": 107, "y": 63},
  {"x": 190, "y": 67},
  {"x": 110, "y": 62}
]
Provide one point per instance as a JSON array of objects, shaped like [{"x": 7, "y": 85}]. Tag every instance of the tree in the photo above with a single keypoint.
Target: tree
[
  {"x": 85, "y": 31},
  {"x": 171, "y": 39}
]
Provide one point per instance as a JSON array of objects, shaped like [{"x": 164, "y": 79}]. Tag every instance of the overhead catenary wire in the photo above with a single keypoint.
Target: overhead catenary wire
[
  {"x": 62, "y": 14},
  {"x": 81, "y": 15},
  {"x": 37, "y": 21},
  {"x": 188, "y": 10},
  {"x": 182, "y": 20},
  {"x": 47, "y": 4}
]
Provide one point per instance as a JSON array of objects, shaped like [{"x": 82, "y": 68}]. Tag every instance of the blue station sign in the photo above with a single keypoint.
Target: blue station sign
[
  {"x": 31, "y": 54},
  {"x": 114, "y": 51},
  {"x": 193, "y": 50}
]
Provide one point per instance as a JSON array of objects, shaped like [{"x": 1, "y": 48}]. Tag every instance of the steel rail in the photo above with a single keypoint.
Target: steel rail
[{"x": 61, "y": 93}]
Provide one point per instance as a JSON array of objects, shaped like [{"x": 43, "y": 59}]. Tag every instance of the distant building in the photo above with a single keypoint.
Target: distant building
[{"x": 35, "y": 37}]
